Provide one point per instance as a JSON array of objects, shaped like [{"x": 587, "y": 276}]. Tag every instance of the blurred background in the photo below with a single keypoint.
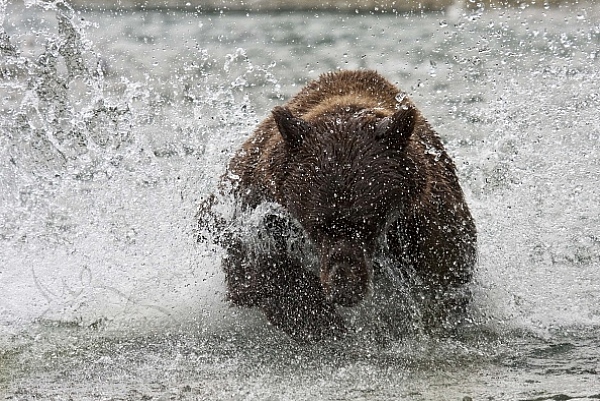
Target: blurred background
[{"x": 334, "y": 5}]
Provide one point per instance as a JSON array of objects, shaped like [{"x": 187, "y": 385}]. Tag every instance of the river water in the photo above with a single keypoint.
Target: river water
[{"x": 115, "y": 124}]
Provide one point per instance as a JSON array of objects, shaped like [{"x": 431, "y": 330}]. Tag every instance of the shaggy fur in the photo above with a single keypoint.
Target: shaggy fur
[{"x": 358, "y": 172}]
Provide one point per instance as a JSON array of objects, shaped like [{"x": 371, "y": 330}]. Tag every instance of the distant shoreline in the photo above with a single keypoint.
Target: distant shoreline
[{"x": 310, "y": 5}]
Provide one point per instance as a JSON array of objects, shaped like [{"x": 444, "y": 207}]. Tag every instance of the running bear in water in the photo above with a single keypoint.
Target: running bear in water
[{"x": 356, "y": 175}]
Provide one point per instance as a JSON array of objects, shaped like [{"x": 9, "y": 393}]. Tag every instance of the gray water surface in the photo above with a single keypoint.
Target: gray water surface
[{"x": 115, "y": 124}]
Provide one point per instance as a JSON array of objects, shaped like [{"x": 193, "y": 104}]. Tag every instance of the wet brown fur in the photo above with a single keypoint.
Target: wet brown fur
[{"x": 352, "y": 186}]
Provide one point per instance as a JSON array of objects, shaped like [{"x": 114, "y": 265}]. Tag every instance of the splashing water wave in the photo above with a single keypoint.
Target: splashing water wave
[{"x": 114, "y": 126}]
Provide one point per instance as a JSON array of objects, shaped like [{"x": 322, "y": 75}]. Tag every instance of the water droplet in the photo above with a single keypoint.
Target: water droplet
[{"x": 400, "y": 97}]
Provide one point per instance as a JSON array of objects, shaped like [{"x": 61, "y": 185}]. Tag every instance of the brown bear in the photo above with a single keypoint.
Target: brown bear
[{"x": 353, "y": 173}]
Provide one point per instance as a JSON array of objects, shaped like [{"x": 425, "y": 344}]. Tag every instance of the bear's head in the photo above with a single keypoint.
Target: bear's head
[{"x": 345, "y": 176}]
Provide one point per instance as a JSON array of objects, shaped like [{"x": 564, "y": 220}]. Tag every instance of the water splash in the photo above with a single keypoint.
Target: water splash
[
  {"x": 107, "y": 159},
  {"x": 99, "y": 203},
  {"x": 98, "y": 198}
]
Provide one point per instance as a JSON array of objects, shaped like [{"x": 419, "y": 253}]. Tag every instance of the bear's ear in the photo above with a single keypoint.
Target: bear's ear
[
  {"x": 396, "y": 129},
  {"x": 292, "y": 129}
]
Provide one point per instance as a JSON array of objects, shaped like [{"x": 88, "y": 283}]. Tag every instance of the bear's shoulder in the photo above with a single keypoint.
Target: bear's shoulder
[{"x": 366, "y": 88}]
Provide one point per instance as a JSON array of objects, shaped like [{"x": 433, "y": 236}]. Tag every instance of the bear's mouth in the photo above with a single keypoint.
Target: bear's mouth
[
  {"x": 345, "y": 295},
  {"x": 345, "y": 284}
]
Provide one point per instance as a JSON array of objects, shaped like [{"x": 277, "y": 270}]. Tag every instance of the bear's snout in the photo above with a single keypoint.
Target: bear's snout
[{"x": 346, "y": 274}]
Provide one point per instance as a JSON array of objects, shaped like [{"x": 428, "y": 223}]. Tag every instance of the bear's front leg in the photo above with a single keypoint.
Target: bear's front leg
[
  {"x": 291, "y": 297},
  {"x": 246, "y": 276},
  {"x": 261, "y": 272},
  {"x": 444, "y": 304},
  {"x": 299, "y": 306},
  {"x": 436, "y": 271}
]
